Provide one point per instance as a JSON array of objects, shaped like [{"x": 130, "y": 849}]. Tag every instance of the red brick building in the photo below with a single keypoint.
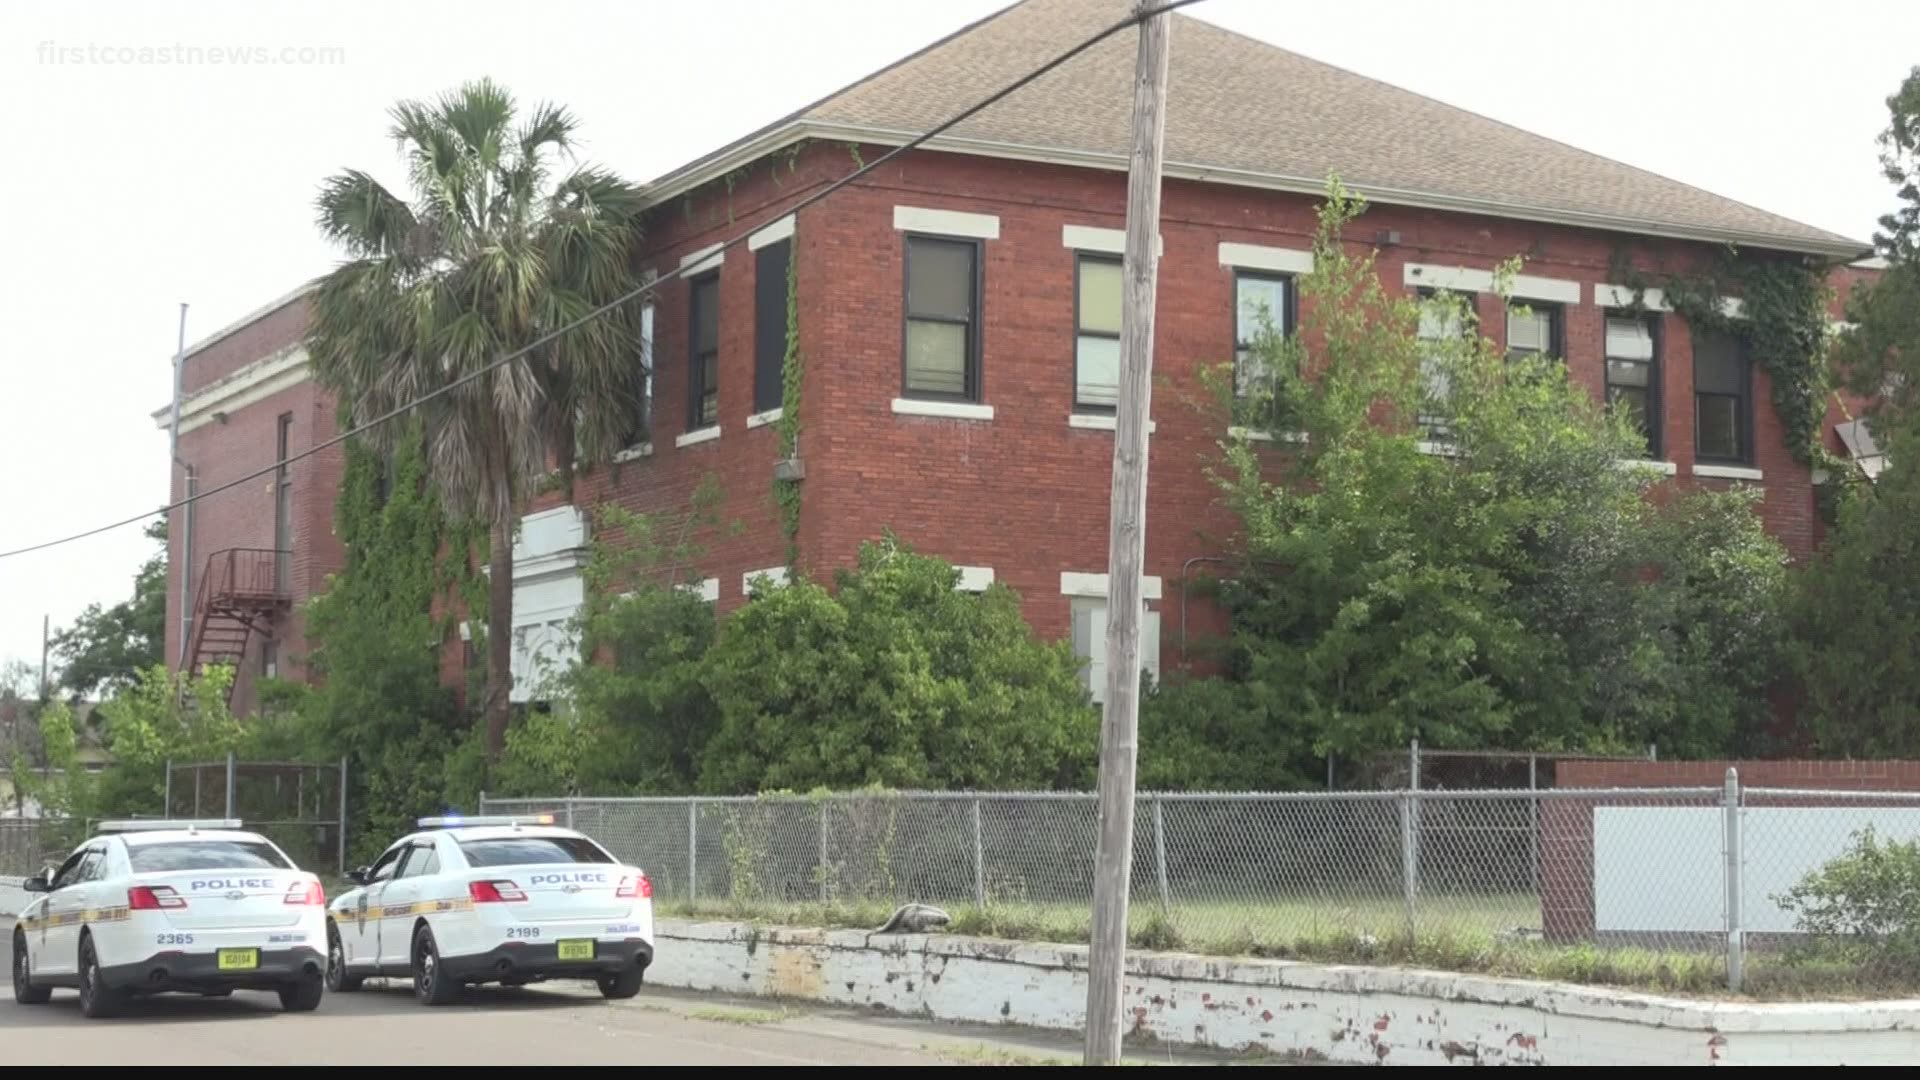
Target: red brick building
[{"x": 958, "y": 307}]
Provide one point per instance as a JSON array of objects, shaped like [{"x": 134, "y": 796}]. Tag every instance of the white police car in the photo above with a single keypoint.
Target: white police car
[
  {"x": 146, "y": 907},
  {"x": 479, "y": 900}
]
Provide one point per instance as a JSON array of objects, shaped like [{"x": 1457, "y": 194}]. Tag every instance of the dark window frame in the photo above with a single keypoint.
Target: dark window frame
[
  {"x": 771, "y": 369},
  {"x": 1289, "y": 313},
  {"x": 1437, "y": 428},
  {"x": 1080, "y": 258},
  {"x": 697, "y": 390},
  {"x": 1556, "y": 327},
  {"x": 973, "y": 377},
  {"x": 1743, "y": 409},
  {"x": 1656, "y": 376}
]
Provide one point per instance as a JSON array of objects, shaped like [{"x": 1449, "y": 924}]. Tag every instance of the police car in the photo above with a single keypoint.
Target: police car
[
  {"x": 146, "y": 907},
  {"x": 490, "y": 899}
]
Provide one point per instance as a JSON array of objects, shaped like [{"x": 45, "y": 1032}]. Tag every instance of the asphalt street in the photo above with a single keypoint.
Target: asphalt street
[{"x": 561, "y": 1024}]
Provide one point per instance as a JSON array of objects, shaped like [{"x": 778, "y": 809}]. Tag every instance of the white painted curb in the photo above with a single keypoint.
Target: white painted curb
[{"x": 1323, "y": 1012}]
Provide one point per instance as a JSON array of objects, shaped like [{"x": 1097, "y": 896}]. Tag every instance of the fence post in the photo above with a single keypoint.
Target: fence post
[
  {"x": 569, "y": 809},
  {"x": 197, "y": 770},
  {"x": 824, "y": 891},
  {"x": 343, "y": 814},
  {"x": 1409, "y": 861},
  {"x": 1533, "y": 818},
  {"x": 693, "y": 850},
  {"x": 1736, "y": 935},
  {"x": 230, "y": 771},
  {"x": 166, "y": 807},
  {"x": 979, "y": 861},
  {"x": 1160, "y": 853}
]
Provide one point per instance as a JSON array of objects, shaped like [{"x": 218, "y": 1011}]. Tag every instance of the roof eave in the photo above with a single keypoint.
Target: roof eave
[{"x": 717, "y": 165}]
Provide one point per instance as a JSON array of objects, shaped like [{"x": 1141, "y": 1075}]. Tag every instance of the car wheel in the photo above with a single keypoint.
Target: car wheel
[
  {"x": 302, "y": 996},
  {"x": 97, "y": 1000},
  {"x": 621, "y": 986},
  {"x": 431, "y": 984},
  {"x": 24, "y": 992},
  {"x": 338, "y": 980}
]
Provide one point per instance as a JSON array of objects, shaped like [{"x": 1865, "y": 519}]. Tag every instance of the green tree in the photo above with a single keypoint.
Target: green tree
[
  {"x": 1857, "y": 609},
  {"x": 1448, "y": 547},
  {"x": 894, "y": 678},
  {"x": 492, "y": 254},
  {"x": 106, "y": 648}
]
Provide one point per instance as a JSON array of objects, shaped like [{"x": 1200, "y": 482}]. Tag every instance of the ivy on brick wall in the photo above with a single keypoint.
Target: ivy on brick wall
[
  {"x": 786, "y": 493},
  {"x": 1783, "y": 322}
]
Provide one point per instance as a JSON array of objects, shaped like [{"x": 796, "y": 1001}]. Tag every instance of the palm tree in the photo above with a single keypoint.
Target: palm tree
[{"x": 487, "y": 257}]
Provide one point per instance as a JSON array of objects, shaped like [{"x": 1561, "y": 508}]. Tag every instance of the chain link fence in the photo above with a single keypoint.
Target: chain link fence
[
  {"x": 21, "y": 847},
  {"x": 301, "y": 806},
  {"x": 1679, "y": 881}
]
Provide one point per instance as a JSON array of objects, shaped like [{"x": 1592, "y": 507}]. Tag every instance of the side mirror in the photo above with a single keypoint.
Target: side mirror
[
  {"x": 358, "y": 875},
  {"x": 41, "y": 882}
]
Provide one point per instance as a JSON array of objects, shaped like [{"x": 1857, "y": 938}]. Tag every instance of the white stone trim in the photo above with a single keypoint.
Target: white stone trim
[
  {"x": 1620, "y": 296},
  {"x": 1667, "y": 468},
  {"x": 1437, "y": 449},
  {"x": 946, "y": 222},
  {"x": 775, "y": 574},
  {"x": 1551, "y": 290},
  {"x": 772, "y": 234},
  {"x": 1729, "y": 472},
  {"x": 1456, "y": 278},
  {"x": 250, "y": 385},
  {"x": 707, "y": 588},
  {"x": 634, "y": 453},
  {"x": 1252, "y": 435},
  {"x": 705, "y": 434},
  {"x": 1073, "y": 583},
  {"x": 1261, "y": 257},
  {"x": 974, "y": 578},
  {"x": 1102, "y": 240},
  {"x": 762, "y": 419},
  {"x": 1101, "y": 422},
  {"x": 699, "y": 262},
  {"x": 949, "y": 410},
  {"x": 1733, "y": 307}
]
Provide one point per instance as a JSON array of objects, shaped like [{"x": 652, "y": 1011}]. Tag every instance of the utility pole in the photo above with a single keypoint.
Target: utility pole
[
  {"x": 1126, "y": 545},
  {"x": 46, "y": 678}
]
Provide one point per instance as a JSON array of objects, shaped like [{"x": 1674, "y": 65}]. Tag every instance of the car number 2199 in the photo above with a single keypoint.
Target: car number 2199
[
  {"x": 523, "y": 931},
  {"x": 173, "y": 939}
]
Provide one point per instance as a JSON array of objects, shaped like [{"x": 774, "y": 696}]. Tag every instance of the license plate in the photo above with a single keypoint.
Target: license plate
[
  {"x": 577, "y": 950},
  {"x": 238, "y": 959}
]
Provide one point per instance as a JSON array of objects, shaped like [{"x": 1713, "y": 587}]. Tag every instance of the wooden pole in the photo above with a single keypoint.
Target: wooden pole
[{"x": 1126, "y": 544}]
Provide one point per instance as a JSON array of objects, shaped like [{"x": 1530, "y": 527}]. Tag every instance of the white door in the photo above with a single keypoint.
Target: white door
[
  {"x": 360, "y": 928},
  {"x": 58, "y": 950},
  {"x": 407, "y": 888}
]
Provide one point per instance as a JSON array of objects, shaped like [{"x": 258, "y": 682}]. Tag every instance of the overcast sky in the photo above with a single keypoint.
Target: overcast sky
[{"x": 136, "y": 187}]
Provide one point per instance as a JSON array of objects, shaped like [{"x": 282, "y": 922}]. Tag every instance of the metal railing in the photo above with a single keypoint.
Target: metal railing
[{"x": 1657, "y": 872}]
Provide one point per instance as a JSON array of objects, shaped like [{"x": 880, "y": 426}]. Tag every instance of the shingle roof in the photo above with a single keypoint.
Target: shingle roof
[{"x": 1241, "y": 110}]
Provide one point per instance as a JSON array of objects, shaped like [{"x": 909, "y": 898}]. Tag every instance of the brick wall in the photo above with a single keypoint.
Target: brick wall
[{"x": 1566, "y": 824}]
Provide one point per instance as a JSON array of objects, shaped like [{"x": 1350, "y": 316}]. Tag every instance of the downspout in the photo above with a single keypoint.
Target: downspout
[{"x": 186, "y": 526}]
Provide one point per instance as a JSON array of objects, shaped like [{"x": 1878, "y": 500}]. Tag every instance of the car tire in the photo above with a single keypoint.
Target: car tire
[
  {"x": 430, "y": 983},
  {"x": 339, "y": 980},
  {"x": 97, "y": 1000},
  {"x": 622, "y": 985},
  {"x": 303, "y": 995},
  {"x": 24, "y": 992}
]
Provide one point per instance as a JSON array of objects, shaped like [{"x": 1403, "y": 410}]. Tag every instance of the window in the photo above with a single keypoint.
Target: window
[
  {"x": 532, "y": 851},
  {"x": 1096, "y": 347},
  {"x": 703, "y": 378},
  {"x": 204, "y": 855},
  {"x": 1722, "y": 399},
  {"x": 388, "y": 863},
  {"x": 637, "y": 423},
  {"x": 770, "y": 324},
  {"x": 1444, "y": 316},
  {"x": 1633, "y": 376},
  {"x": 1261, "y": 304},
  {"x": 1090, "y": 642},
  {"x": 943, "y": 318},
  {"x": 1533, "y": 330},
  {"x": 270, "y": 659},
  {"x": 424, "y": 860}
]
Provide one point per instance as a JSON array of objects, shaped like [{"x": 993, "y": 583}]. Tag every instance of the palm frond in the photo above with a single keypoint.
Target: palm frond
[{"x": 358, "y": 213}]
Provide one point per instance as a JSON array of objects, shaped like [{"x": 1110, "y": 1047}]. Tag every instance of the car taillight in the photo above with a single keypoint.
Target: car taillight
[
  {"x": 494, "y": 892},
  {"x": 307, "y": 893},
  {"x": 632, "y": 887},
  {"x": 154, "y": 898}
]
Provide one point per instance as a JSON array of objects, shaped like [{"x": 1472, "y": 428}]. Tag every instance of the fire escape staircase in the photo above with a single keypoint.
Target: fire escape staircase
[{"x": 241, "y": 592}]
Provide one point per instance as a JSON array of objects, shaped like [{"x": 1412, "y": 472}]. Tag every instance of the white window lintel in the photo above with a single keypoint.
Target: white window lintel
[
  {"x": 773, "y": 233},
  {"x": 1263, "y": 257},
  {"x": 1073, "y": 583},
  {"x": 946, "y": 222}
]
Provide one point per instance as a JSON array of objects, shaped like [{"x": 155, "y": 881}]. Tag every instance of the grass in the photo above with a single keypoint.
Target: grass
[
  {"x": 1486, "y": 934},
  {"x": 976, "y": 1054},
  {"x": 718, "y": 1014}
]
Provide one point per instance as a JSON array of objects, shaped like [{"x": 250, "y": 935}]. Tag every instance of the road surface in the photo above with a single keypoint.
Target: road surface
[{"x": 559, "y": 1024}]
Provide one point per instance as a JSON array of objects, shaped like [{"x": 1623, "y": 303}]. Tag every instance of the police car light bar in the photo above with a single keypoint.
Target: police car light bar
[
  {"x": 158, "y": 824},
  {"x": 456, "y": 821}
]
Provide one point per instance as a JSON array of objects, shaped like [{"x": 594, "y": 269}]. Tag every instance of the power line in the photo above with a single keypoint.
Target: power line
[{"x": 629, "y": 297}]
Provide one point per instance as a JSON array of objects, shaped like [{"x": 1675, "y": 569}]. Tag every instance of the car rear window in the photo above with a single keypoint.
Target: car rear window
[
  {"x": 532, "y": 850},
  {"x": 166, "y": 855}
]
